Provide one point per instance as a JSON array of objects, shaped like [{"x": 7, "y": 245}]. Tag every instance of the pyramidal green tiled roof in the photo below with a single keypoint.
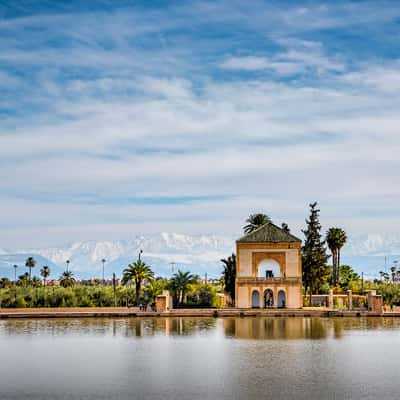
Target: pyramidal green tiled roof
[{"x": 268, "y": 233}]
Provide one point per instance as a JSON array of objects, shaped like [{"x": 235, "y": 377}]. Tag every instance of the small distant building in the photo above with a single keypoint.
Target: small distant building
[
  {"x": 268, "y": 269},
  {"x": 164, "y": 302}
]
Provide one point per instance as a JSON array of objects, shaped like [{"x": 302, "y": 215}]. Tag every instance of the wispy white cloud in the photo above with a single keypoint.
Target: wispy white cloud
[{"x": 110, "y": 108}]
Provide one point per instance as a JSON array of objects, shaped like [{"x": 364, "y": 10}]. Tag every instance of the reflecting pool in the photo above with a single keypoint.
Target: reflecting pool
[{"x": 200, "y": 358}]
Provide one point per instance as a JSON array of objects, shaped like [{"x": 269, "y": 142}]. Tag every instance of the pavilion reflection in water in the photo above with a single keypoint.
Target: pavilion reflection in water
[
  {"x": 301, "y": 328},
  {"x": 241, "y": 328}
]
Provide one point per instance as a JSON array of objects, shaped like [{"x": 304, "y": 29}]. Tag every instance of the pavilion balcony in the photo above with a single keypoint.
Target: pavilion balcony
[{"x": 265, "y": 281}]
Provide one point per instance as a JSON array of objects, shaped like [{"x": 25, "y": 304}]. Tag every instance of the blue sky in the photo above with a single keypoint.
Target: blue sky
[{"x": 122, "y": 117}]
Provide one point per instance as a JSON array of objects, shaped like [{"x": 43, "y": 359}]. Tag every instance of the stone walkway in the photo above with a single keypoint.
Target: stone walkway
[{"x": 198, "y": 312}]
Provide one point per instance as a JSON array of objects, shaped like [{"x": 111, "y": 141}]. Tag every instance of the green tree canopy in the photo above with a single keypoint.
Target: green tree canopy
[
  {"x": 347, "y": 277},
  {"x": 255, "y": 221},
  {"x": 5, "y": 283},
  {"x": 67, "y": 279},
  {"x": 179, "y": 284},
  {"x": 137, "y": 273},
  {"x": 229, "y": 275},
  {"x": 315, "y": 268},
  {"x": 23, "y": 280},
  {"x": 154, "y": 288}
]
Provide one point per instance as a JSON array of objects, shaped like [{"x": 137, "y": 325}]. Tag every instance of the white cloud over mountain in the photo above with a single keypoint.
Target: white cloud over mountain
[{"x": 168, "y": 252}]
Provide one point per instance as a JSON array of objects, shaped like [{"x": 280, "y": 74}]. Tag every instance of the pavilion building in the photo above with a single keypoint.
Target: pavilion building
[{"x": 268, "y": 269}]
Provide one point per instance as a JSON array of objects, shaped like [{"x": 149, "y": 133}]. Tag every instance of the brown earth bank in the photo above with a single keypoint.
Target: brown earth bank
[{"x": 198, "y": 312}]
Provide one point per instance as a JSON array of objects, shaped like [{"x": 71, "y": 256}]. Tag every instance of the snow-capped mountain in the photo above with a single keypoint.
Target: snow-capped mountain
[
  {"x": 168, "y": 252},
  {"x": 165, "y": 252}
]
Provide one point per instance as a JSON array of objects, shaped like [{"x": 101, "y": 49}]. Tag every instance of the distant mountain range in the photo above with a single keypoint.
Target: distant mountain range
[
  {"x": 168, "y": 252},
  {"x": 165, "y": 252}
]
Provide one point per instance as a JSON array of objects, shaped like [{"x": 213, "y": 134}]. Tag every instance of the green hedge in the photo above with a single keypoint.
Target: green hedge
[{"x": 77, "y": 296}]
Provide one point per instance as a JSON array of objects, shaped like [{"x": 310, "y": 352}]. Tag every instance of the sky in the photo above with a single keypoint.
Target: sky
[{"x": 120, "y": 118}]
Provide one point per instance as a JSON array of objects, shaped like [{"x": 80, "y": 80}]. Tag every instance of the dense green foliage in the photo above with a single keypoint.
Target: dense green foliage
[
  {"x": 229, "y": 275},
  {"x": 77, "y": 296},
  {"x": 315, "y": 268}
]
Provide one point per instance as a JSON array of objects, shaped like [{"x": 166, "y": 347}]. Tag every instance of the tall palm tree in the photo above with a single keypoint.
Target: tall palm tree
[
  {"x": 179, "y": 284},
  {"x": 103, "y": 262},
  {"x": 45, "y": 273},
  {"x": 342, "y": 239},
  {"x": 229, "y": 275},
  {"x": 30, "y": 263},
  {"x": 137, "y": 272},
  {"x": 15, "y": 273},
  {"x": 67, "y": 279},
  {"x": 393, "y": 271},
  {"x": 335, "y": 238},
  {"x": 255, "y": 221}
]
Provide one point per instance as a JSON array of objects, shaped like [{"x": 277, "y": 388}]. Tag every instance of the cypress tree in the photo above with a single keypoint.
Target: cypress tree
[{"x": 315, "y": 259}]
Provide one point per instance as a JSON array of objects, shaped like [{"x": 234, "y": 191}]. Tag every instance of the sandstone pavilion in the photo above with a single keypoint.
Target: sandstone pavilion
[{"x": 268, "y": 269}]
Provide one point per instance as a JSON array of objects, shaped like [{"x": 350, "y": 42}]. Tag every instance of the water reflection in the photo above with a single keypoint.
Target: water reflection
[
  {"x": 259, "y": 328},
  {"x": 128, "y": 327},
  {"x": 302, "y": 328}
]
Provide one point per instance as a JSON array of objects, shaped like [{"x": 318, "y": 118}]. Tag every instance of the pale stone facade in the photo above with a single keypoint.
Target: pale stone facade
[{"x": 268, "y": 269}]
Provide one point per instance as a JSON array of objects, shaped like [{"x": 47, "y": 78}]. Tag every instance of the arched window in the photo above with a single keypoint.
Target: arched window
[
  {"x": 269, "y": 269},
  {"x": 255, "y": 299}
]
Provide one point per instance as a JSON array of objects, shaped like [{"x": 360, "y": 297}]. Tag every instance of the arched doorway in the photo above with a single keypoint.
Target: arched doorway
[
  {"x": 268, "y": 298},
  {"x": 268, "y": 269},
  {"x": 281, "y": 299},
  {"x": 255, "y": 299}
]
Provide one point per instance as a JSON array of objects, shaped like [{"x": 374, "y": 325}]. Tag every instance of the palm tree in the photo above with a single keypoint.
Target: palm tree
[
  {"x": 23, "y": 280},
  {"x": 5, "y": 283},
  {"x": 154, "y": 288},
  {"x": 384, "y": 275},
  {"x": 103, "y": 262},
  {"x": 255, "y": 221},
  {"x": 36, "y": 282},
  {"x": 393, "y": 270},
  {"x": 45, "y": 273},
  {"x": 15, "y": 273},
  {"x": 335, "y": 238},
  {"x": 229, "y": 275},
  {"x": 67, "y": 279},
  {"x": 137, "y": 272},
  {"x": 30, "y": 263},
  {"x": 342, "y": 239},
  {"x": 179, "y": 284}
]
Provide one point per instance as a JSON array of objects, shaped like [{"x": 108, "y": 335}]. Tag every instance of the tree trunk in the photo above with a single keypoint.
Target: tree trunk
[
  {"x": 334, "y": 266},
  {"x": 137, "y": 287},
  {"x": 338, "y": 266}
]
